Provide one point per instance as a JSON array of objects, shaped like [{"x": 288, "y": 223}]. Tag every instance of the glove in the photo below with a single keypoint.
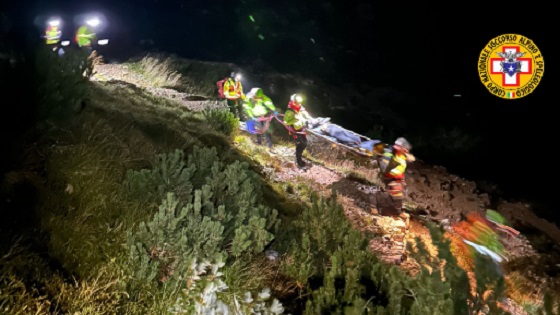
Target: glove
[{"x": 275, "y": 113}]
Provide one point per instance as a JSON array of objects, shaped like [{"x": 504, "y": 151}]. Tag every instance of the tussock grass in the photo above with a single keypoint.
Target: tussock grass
[
  {"x": 17, "y": 296},
  {"x": 47, "y": 292},
  {"x": 199, "y": 77},
  {"x": 523, "y": 290},
  {"x": 163, "y": 122},
  {"x": 255, "y": 273},
  {"x": 185, "y": 75},
  {"x": 86, "y": 197},
  {"x": 99, "y": 294},
  {"x": 160, "y": 72}
]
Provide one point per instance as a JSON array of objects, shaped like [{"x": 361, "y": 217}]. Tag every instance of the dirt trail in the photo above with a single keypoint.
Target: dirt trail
[{"x": 118, "y": 72}]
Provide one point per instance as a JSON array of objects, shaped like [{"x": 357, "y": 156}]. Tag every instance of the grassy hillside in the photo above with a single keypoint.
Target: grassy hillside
[{"x": 143, "y": 206}]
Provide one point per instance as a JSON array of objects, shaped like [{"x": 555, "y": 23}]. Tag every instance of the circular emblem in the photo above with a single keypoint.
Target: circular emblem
[{"x": 511, "y": 66}]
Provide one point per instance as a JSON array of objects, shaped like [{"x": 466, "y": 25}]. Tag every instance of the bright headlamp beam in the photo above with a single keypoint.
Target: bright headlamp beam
[
  {"x": 54, "y": 22},
  {"x": 65, "y": 43},
  {"x": 93, "y": 22},
  {"x": 103, "y": 42}
]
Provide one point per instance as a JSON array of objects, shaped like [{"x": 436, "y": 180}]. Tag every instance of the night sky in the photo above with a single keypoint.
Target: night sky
[{"x": 426, "y": 51}]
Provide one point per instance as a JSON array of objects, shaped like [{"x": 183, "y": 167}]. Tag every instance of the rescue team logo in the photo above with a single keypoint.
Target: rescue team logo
[{"x": 511, "y": 66}]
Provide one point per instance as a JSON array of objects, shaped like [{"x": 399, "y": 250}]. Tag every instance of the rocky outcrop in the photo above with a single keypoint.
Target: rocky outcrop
[
  {"x": 442, "y": 195},
  {"x": 521, "y": 214}
]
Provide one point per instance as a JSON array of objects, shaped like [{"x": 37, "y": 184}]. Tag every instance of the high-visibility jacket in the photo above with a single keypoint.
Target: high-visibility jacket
[
  {"x": 258, "y": 104},
  {"x": 296, "y": 119},
  {"x": 84, "y": 36},
  {"x": 233, "y": 89},
  {"x": 393, "y": 165},
  {"x": 53, "y": 35}
]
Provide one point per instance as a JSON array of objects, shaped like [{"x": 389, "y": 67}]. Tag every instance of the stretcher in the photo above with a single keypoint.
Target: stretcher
[
  {"x": 343, "y": 155},
  {"x": 325, "y": 147},
  {"x": 364, "y": 146}
]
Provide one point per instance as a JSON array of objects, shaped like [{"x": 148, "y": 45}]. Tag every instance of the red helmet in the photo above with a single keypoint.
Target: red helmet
[{"x": 295, "y": 102}]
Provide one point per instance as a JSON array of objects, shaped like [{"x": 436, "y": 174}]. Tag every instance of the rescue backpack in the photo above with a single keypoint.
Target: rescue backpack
[
  {"x": 386, "y": 161},
  {"x": 379, "y": 148},
  {"x": 220, "y": 85}
]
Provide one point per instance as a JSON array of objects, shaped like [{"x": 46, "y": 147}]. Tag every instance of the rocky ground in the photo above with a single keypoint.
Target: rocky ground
[{"x": 432, "y": 193}]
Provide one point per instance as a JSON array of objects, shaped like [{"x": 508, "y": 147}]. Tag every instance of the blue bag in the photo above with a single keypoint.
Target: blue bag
[{"x": 251, "y": 127}]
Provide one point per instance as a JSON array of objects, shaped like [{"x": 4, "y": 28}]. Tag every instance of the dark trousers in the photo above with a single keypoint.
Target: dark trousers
[
  {"x": 396, "y": 191},
  {"x": 301, "y": 144},
  {"x": 267, "y": 134},
  {"x": 235, "y": 108},
  {"x": 267, "y": 137}
]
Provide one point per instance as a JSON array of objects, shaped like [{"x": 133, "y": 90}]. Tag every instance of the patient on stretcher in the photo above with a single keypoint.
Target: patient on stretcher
[{"x": 338, "y": 134}]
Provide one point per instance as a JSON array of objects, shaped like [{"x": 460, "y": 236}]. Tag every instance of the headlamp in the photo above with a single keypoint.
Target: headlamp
[
  {"x": 54, "y": 22},
  {"x": 93, "y": 22}
]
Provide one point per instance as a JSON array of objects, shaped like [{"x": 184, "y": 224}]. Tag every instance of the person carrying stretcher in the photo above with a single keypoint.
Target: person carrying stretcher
[
  {"x": 392, "y": 166},
  {"x": 296, "y": 120}
]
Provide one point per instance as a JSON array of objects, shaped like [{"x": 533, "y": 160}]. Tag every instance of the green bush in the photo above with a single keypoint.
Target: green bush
[
  {"x": 161, "y": 250},
  {"x": 328, "y": 250},
  {"x": 169, "y": 174},
  {"x": 325, "y": 248},
  {"x": 222, "y": 120},
  {"x": 210, "y": 210}
]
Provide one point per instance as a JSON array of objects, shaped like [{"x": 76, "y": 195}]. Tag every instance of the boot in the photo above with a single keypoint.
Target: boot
[
  {"x": 300, "y": 146},
  {"x": 300, "y": 163},
  {"x": 268, "y": 138}
]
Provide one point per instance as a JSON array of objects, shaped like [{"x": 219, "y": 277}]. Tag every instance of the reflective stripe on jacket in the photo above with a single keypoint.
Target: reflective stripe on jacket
[
  {"x": 297, "y": 120},
  {"x": 393, "y": 165},
  {"x": 233, "y": 90},
  {"x": 258, "y": 107}
]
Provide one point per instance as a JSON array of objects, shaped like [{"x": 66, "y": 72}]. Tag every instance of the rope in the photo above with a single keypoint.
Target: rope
[
  {"x": 264, "y": 128},
  {"x": 287, "y": 127},
  {"x": 267, "y": 120}
]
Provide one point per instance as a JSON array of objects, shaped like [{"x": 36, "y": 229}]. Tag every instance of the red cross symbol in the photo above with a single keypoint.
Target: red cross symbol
[{"x": 496, "y": 68}]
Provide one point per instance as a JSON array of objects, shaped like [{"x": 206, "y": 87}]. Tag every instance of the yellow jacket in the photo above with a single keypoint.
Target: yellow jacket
[
  {"x": 233, "y": 90},
  {"x": 297, "y": 120}
]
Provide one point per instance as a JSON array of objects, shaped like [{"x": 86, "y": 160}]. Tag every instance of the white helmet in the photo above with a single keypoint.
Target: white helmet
[
  {"x": 296, "y": 98},
  {"x": 403, "y": 143}
]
